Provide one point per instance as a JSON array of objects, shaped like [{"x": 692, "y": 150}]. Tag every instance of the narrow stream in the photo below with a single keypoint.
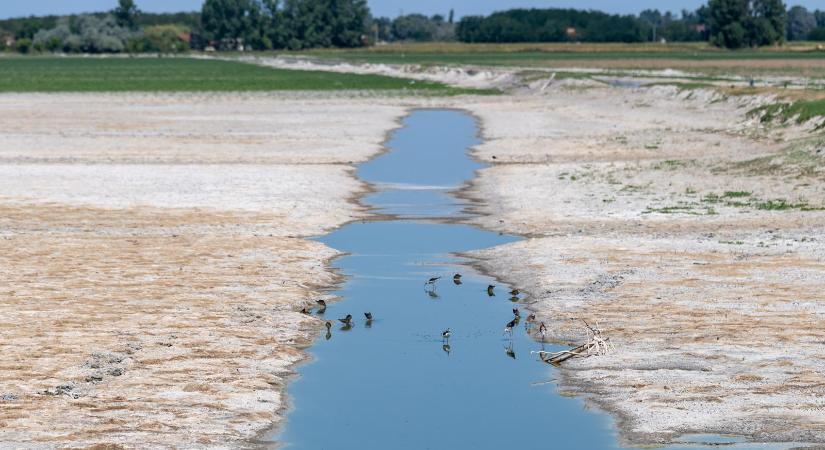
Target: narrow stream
[{"x": 395, "y": 383}]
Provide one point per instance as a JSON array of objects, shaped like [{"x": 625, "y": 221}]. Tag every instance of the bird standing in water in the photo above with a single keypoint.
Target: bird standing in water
[
  {"x": 543, "y": 330},
  {"x": 508, "y": 329},
  {"x": 445, "y": 335},
  {"x": 514, "y": 292},
  {"x": 446, "y": 348},
  {"x": 457, "y": 278},
  {"x": 516, "y": 312},
  {"x": 432, "y": 281},
  {"x": 490, "y": 290},
  {"x": 346, "y": 320},
  {"x": 321, "y": 303},
  {"x": 328, "y": 324}
]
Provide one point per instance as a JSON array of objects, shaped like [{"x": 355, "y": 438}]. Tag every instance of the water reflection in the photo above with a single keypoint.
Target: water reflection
[{"x": 421, "y": 397}]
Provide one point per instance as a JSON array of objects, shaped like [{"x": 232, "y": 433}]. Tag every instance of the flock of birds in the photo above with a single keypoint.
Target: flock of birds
[
  {"x": 445, "y": 335},
  {"x": 508, "y": 328}
]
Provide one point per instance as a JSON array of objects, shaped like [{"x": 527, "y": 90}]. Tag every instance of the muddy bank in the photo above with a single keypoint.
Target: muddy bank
[
  {"x": 689, "y": 232},
  {"x": 154, "y": 259}
]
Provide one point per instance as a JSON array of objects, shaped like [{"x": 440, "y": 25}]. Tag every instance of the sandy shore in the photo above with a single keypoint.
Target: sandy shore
[
  {"x": 659, "y": 215},
  {"x": 154, "y": 259}
]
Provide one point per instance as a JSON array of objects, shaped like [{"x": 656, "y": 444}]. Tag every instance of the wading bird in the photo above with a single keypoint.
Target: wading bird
[
  {"x": 508, "y": 329},
  {"x": 321, "y": 303},
  {"x": 516, "y": 312},
  {"x": 445, "y": 335},
  {"x": 346, "y": 320},
  {"x": 368, "y": 315},
  {"x": 304, "y": 311},
  {"x": 446, "y": 348},
  {"x": 457, "y": 279},
  {"x": 531, "y": 318},
  {"x": 490, "y": 290},
  {"x": 432, "y": 281},
  {"x": 328, "y": 324},
  {"x": 543, "y": 330},
  {"x": 514, "y": 292}
]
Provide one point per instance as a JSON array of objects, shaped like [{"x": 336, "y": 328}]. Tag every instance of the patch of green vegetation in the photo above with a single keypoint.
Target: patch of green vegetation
[
  {"x": 682, "y": 86},
  {"x": 732, "y": 242},
  {"x": 672, "y": 164},
  {"x": 782, "y": 205},
  {"x": 799, "y": 162},
  {"x": 711, "y": 198},
  {"x": 736, "y": 194},
  {"x": 680, "y": 209},
  {"x": 75, "y": 74},
  {"x": 783, "y": 112}
]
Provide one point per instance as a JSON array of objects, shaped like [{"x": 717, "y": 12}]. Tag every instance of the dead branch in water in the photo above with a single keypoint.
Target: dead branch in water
[{"x": 595, "y": 346}]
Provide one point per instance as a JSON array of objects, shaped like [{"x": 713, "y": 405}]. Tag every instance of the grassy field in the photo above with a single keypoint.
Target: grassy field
[
  {"x": 803, "y": 59},
  {"x": 53, "y": 74}
]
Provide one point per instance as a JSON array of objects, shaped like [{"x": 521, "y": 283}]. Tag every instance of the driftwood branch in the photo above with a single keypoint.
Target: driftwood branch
[{"x": 596, "y": 345}]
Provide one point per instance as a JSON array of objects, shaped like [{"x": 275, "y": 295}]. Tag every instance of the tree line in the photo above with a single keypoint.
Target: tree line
[
  {"x": 724, "y": 23},
  {"x": 303, "y": 24}
]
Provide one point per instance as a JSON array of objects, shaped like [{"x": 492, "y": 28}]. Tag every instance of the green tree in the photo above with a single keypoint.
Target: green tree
[
  {"x": 126, "y": 14},
  {"x": 23, "y": 45},
  {"x": 820, "y": 18},
  {"x": 413, "y": 27},
  {"x": 746, "y": 23},
  {"x": 769, "y": 21},
  {"x": 309, "y": 23},
  {"x": 726, "y": 17},
  {"x": 233, "y": 23},
  {"x": 800, "y": 23},
  {"x": 350, "y": 22}
]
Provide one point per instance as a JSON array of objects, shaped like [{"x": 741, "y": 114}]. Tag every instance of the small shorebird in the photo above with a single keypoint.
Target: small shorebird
[
  {"x": 531, "y": 318},
  {"x": 432, "y": 281},
  {"x": 543, "y": 330},
  {"x": 490, "y": 290},
  {"x": 516, "y": 312},
  {"x": 368, "y": 315},
  {"x": 515, "y": 292},
  {"x": 346, "y": 320},
  {"x": 446, "y": 348},
  {"x": 509, "y": 327},
  {"x": 304, "y": 311},
  {"x": 321, "y": 303},
  {"x": 457, "y": 279},
  {"x": 445, "y": 335},
  {"x": 328, "y": 324}
]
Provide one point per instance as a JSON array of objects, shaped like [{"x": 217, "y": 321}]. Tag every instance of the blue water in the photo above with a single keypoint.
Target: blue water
[{"x": 395, "y": 383}]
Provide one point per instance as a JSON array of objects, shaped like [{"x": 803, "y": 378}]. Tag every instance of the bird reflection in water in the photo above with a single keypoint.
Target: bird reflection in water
[{"x": 509, "y": 350}]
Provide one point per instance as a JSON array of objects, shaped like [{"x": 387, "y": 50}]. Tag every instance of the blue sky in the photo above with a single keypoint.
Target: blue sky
[{"x": 16, "y": 8}]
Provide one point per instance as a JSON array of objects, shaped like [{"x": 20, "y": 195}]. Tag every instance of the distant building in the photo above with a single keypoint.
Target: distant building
[{"x": 185, "y": 36}]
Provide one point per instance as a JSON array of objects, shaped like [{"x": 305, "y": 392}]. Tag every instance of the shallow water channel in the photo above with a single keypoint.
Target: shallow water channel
[{"x": 395, "y": 383}]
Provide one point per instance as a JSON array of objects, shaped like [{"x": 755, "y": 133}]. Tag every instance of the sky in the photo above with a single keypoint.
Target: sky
[{"x": 391, "y": 8}]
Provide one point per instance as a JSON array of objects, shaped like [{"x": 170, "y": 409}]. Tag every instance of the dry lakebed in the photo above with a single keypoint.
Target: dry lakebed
[{"x": 155, "y": 254}]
